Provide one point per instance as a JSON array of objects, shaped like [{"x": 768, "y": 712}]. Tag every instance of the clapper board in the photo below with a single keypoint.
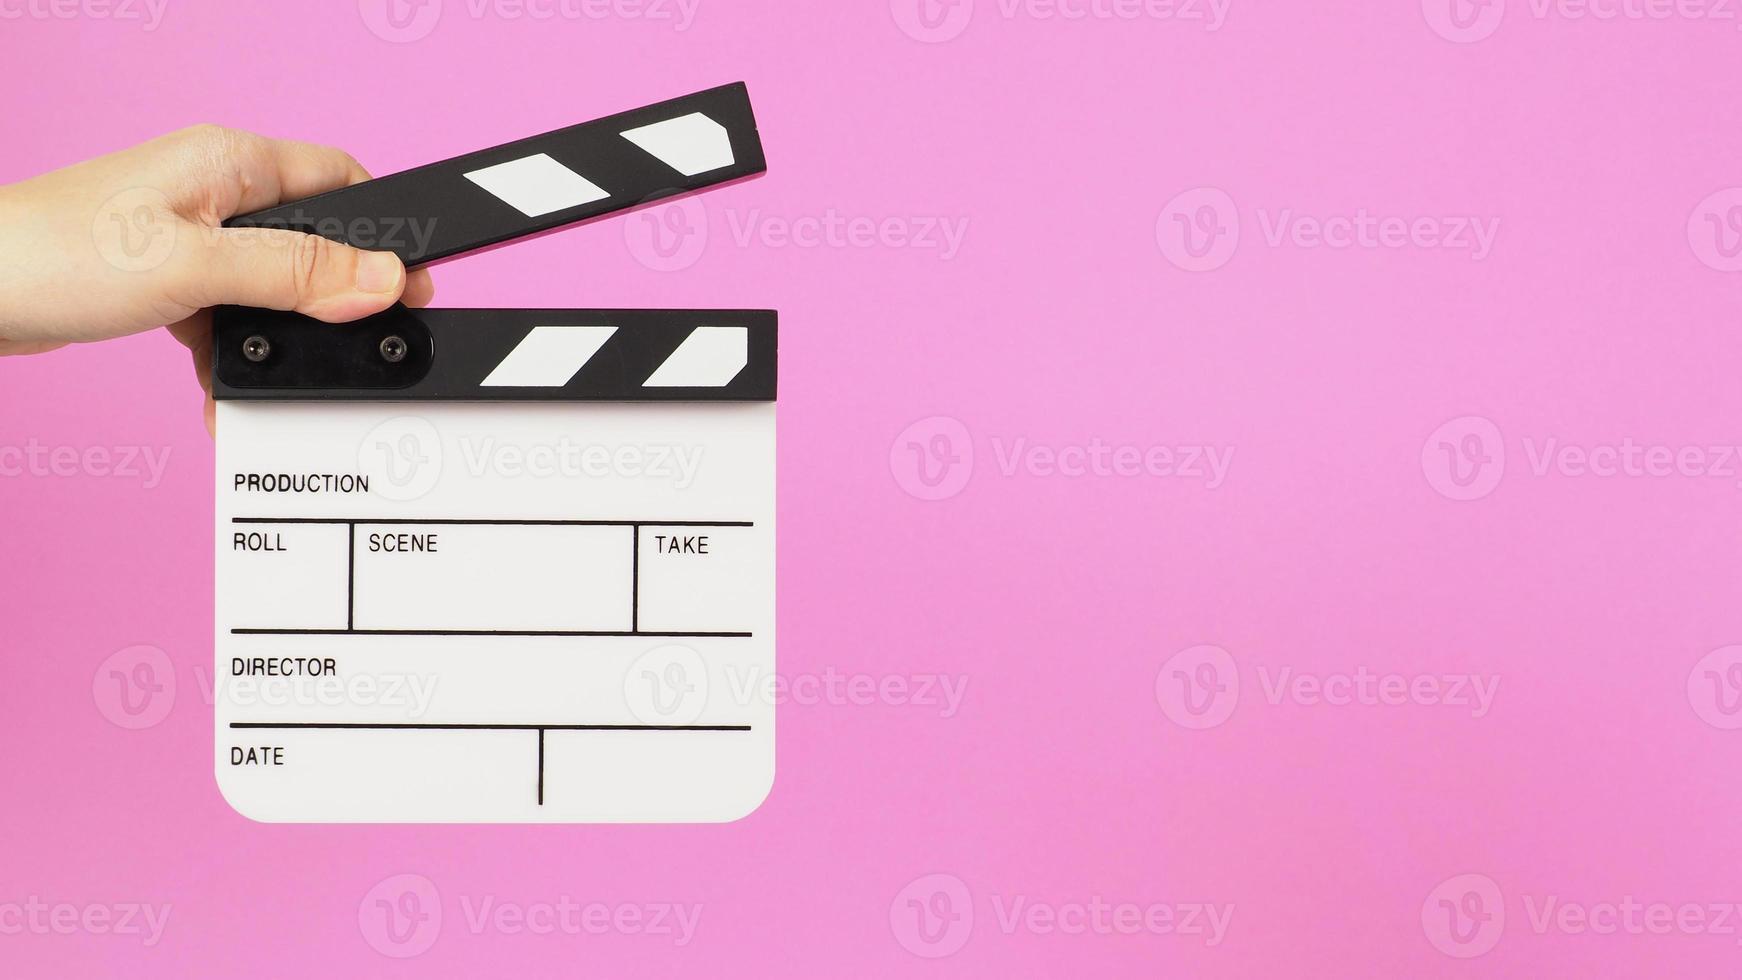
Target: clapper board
[{"x": 501, "y": 564}]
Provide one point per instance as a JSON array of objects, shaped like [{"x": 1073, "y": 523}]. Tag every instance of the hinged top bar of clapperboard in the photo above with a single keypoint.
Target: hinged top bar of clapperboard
[{"x": 491, "y": 196}]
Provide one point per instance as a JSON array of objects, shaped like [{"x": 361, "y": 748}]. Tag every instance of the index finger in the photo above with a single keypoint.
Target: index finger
[
  {"x": 307, "y": 169},
  {"x": 259, "y": 172}
]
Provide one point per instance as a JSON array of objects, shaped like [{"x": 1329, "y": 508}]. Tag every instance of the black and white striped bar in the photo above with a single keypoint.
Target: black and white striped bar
[
  {"x": 536, "y": 184},
  {"x": 501, "y": 355}
]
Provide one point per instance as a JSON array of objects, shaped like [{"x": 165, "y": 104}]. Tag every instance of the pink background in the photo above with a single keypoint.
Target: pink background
[{"x": 1076, "y": 766}]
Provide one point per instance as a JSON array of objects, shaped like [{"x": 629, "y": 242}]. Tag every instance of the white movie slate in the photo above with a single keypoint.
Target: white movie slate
[
  {"x": 447, "y": 611},
  {"x": 495, "y": 564}
]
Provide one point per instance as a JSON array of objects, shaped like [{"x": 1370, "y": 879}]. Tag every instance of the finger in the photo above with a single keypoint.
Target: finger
[
  {"x": 11, "y": 347},
  {"x": 419, "y": 289},
  {"x": 233, "y": 171},
  {"x": 306, "y": 169},
  {"x": 287, "y": 270},
  {"x": 195, "y": 333}
]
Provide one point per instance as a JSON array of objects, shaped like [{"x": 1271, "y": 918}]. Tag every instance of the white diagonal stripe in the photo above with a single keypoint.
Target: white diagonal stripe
[
  {"x": 537, "y": 185},
  {"x": 692, "y": 144},
  {"x": 710, "y": 357},
  {"x": 548, "y": 357}
]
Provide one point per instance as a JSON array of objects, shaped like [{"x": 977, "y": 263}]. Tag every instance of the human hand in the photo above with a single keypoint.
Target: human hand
[{"x": 134, "y": 240}]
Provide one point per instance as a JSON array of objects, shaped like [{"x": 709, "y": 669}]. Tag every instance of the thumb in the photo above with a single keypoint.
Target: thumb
[{"x": 287, "y": 270}]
